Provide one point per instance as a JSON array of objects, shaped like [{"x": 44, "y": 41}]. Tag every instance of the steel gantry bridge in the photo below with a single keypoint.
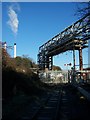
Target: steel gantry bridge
[{"x": 74, "y": 37}]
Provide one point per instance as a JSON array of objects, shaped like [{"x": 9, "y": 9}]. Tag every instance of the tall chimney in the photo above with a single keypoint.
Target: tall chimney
[
  {"x": 5, "y": 45},
  {"x": 14, "y": 50}
]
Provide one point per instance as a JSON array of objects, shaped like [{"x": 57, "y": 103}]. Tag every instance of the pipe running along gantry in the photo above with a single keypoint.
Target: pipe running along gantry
[{"x": 73, "y": 37}]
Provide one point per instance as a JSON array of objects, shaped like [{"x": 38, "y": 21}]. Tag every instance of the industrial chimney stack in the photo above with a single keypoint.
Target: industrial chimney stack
[
  {"x": 5, "y": 45},
  {"x": 14, "y": 50}
]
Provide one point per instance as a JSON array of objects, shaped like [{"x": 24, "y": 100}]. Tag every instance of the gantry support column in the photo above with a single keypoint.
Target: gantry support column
[
  {"x": 74, "y": 58},
  {"x": 80, "y": 59},
  {"x": 49, "y": 62},
  {"x": 73, "y": 73}
]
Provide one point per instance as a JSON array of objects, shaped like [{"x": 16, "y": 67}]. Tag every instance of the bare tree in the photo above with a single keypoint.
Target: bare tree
[{"x": 83, "y": 8}]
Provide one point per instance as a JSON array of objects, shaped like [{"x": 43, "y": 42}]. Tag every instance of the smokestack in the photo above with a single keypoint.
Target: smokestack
[
  {"x": 14, "y": 50},
  {"x": 5, "y": 45}
]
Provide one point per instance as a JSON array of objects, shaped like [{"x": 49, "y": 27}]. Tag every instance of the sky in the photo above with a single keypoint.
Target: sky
[{"x": 31, "y": 24}]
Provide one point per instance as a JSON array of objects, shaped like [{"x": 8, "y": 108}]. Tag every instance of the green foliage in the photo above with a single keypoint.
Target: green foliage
[
  {"x": 7, "y": 61},
  {"x": 23, "y": 62},
  {"x": 16, "y": 83},
  {"x": 20, "y": 64},
  {"x": 56, "y": 68},
  {"x": 17, "y": 77}
]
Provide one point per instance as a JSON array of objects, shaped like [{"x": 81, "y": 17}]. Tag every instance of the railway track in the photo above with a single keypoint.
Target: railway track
[
  {"x": 64, "y": 103},
  {"x": 48, "y": 109}
]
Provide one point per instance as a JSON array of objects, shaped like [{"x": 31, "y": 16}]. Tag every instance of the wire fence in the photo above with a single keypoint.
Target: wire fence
[{"x": 54, "y": 76}]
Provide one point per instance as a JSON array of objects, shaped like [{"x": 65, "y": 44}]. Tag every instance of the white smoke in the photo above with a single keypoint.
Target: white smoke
[{"x": 13, "y": 21}]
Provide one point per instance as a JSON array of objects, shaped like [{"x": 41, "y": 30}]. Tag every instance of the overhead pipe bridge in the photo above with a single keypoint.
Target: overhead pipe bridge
[{"x": 74, "y": 37}]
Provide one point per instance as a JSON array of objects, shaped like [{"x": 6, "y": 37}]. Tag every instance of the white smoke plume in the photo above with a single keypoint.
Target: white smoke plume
[{"x": 13, "y": 21}]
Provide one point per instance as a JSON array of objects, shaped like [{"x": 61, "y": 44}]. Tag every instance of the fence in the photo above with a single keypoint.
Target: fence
[
  {"x": 83, "y": 76},
  {"x": 54, "y": 76},
  {"x": 65, "y": 76}
]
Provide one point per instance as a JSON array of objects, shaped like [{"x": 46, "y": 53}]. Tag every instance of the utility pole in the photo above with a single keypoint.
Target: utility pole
[{"x": 80, "y": 59}]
